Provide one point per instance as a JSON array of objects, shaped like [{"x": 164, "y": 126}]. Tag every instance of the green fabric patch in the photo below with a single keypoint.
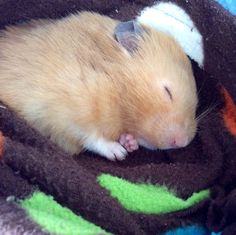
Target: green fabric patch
[
  {"x": 56, "y": 219},
  {"x": 147, "y": 198}
]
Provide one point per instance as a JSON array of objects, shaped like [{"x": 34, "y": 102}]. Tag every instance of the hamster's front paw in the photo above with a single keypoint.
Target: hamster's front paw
[
  {"x": 129, "y": 142},
  {"x": 115, "y": 151},
  {"x": 110, "y": 149}
]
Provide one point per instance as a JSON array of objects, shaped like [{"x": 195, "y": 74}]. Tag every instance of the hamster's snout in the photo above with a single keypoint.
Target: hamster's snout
[
  {"x": 175, "y": 141},
  {"x": 172, "y": 138},
  {"x": 176, "y": 136},
  {"x": 178, "y": 141}
]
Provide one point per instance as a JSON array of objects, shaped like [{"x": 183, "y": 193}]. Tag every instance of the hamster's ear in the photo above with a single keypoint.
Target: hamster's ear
[{"x": 127, "y": 34}]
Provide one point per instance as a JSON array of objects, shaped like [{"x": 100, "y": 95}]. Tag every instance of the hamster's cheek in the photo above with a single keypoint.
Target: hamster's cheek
[{"x": 145, "y": 143}]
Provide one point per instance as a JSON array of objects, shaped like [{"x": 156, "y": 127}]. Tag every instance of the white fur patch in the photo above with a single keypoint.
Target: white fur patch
[
  {"x": 110, "y": 149},
  {"x": 171, "y": 19},
  {"x": 2, "y": 107}
]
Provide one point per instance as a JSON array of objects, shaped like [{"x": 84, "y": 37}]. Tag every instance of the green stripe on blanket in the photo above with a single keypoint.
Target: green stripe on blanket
[
  {"x": 147, "y": 198},
  {"x": 56, "y": 219}
]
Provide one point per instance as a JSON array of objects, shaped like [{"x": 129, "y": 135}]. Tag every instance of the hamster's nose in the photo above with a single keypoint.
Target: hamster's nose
[{"x": 179, "y": 142}]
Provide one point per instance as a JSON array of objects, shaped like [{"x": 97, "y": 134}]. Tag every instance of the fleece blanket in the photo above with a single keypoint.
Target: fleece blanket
[{"x": 45, "y": 191}]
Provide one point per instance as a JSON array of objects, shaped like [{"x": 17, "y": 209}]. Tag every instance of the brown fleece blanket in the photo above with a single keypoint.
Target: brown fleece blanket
[{"x": 29, "y": 162}]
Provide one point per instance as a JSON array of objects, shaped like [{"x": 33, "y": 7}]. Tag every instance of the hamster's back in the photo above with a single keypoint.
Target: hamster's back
[
  {"x": 49, "y": 66},
  {"x": 48, "y": 56}
]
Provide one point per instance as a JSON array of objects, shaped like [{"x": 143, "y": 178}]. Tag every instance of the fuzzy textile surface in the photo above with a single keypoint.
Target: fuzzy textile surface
[{"x": 150, "y": 192}]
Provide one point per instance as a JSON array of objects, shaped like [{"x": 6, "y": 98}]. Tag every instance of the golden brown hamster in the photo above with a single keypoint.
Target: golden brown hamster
[{"x": 90, "y": 82}]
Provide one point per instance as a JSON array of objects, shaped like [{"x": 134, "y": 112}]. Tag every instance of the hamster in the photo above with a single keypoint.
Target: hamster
[{"x": 76, "y": 83}]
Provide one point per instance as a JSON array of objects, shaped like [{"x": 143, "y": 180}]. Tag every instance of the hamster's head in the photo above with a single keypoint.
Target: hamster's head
[
  {"x": 170, "y": 123},
  {"x": 161, "y": 94},
  {"x": 165, "y": 115}
]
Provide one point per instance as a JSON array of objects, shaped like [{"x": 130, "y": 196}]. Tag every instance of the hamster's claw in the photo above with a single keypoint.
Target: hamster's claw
[{"x": 115, "y": 151}]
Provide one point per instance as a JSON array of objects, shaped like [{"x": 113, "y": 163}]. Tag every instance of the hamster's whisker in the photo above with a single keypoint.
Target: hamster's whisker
[
  {"x": 201, "y": 87},
  {"x": 206, "y": 112}
]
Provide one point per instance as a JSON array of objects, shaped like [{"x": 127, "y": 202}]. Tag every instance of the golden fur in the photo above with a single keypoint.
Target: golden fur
[{"x": 71, "y": 79}]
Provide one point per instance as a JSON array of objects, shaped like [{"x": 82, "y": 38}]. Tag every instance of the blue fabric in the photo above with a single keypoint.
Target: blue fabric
[
  {"x": 230, "y": 5},
  {"x": 191, "y": 230}
]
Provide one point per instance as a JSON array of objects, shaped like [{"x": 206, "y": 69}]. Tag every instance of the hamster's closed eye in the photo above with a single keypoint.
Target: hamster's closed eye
[{"x": 168, "y": 93}]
